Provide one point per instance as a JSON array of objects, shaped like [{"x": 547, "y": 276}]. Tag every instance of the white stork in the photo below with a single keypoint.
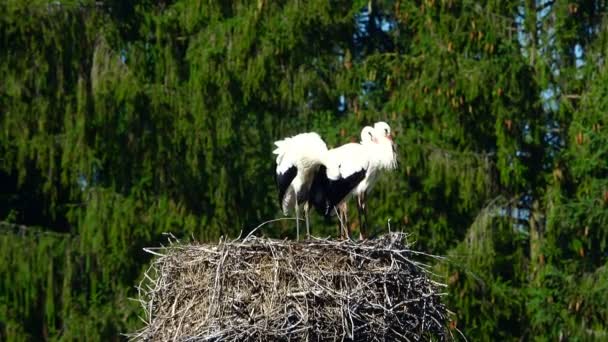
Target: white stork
[
  {"x": 352, "y": 169},
  {"x": 385, "y": 158},
  {"x": 298, "y": 159}
]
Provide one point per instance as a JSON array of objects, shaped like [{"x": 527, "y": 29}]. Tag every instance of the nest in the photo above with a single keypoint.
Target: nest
[{"x": 259, "y": 289}]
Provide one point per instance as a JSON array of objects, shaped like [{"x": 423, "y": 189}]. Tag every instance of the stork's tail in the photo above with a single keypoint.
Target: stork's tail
[
  {"x": 280, "y": 144},
  {"x": 282, "y": 148}
]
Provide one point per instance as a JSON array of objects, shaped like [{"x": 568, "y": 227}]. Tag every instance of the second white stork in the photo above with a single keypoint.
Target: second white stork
[
  {"x": 298, "y": 159},
  {"x": 352, "y": 169}
]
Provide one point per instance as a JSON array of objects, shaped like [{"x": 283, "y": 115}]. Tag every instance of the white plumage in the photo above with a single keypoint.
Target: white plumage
[
  {"x": 352, "y": 169},
  {"x": 298, "y": 159},
  {"x": 387, "y": 149}
]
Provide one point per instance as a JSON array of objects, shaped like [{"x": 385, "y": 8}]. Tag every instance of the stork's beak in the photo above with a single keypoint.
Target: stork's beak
[{"x": 389, "y": 137}]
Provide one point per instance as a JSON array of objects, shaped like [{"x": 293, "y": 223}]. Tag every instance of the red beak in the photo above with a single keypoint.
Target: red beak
[{"x": 389, "y": 137}]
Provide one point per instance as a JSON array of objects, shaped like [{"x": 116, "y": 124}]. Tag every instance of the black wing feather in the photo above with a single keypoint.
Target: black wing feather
[
  {"x": 338, "y": 189},
  {"x": 318, "y": 191},
  {"x": 326, "y": 193},
  {"x": 284, "y": 180}
]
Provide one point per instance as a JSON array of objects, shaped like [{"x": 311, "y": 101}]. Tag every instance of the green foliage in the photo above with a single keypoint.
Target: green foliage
[
  {"x": 486, "y": 273},
  {"x": 577, "y": 216},
  {"x": 122, "y": 121}
]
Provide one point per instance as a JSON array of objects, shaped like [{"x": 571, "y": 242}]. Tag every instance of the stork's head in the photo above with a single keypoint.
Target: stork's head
[
  {"x": 368, "y": 135},
  {"x": 383, "y": 130}
]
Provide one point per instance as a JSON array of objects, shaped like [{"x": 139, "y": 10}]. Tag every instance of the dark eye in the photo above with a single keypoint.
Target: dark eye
[
  {"x": 370, "y": 134},
  {"x": 386, "y": 131}
]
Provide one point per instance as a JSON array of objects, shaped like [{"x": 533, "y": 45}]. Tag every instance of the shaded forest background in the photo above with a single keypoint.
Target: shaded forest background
[{"x": 120, "y": 121}]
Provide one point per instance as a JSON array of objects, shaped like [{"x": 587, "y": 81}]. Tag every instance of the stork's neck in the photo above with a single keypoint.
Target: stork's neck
[{"x": 382, "y": 155}]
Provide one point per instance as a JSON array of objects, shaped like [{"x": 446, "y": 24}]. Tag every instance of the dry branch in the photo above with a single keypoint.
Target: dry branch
[{"x": 260, "y": 289}]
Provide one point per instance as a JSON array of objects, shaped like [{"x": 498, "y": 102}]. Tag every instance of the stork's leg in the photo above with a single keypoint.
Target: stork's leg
[
  {"x": 345, "y": 218},
  {"x": 364, "y": 214},
  {"x": 343, "y": 234},
  {"x": 345, "y": 225},
  {"x": 360, "y": 213},
  {"x": 297, "y": 220},
  {"x": 306, "y": 209},
  {"x": 338, "y": 211}
]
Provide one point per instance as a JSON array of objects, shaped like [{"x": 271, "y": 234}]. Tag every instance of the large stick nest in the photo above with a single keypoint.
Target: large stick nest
[{"x": 260, "y": 289}]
